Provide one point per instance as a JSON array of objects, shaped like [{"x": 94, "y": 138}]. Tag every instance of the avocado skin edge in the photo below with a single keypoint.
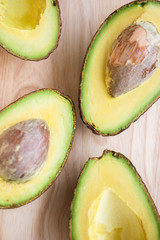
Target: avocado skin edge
[
  {"x": 92, "y": 126},
  {"x": 118, "y": 156},
  {"x": 55, "y": 3},
  {"x": 67, "y": 154}
]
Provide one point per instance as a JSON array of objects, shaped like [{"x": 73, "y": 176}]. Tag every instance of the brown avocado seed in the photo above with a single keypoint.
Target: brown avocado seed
[
  {"x": 23, "y": 150},
  {"x": 134, "y": 57}
]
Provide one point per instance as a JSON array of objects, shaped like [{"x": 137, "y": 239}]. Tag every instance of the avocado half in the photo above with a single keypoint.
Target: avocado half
[
  {"x": 30, "y": 29},
  {"x": 57, "y": 111},
  {"x": 112, "y": 202},
  {"x": 103, "y": 114}
]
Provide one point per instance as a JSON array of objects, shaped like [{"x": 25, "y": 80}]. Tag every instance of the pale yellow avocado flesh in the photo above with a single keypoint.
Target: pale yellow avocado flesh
[
  {"x": 29, "y": 28},
  {"x": 105, "y": 114},
  {"x": 58, "y": 113},
  {"x": 111, "y": 203},
  {"x": 111, "y": 219},
  {"x": 24, "y": 15}
]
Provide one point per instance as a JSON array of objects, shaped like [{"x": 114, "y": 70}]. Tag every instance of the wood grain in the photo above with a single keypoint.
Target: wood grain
[{"x": 48, "y": 217}]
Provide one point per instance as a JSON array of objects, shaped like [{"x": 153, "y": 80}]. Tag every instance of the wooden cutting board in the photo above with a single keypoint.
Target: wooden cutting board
[{"x": 47, "y": 218}]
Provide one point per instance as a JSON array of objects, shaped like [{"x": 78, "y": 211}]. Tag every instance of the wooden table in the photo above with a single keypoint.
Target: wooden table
[{"x": 47, "y": 218}]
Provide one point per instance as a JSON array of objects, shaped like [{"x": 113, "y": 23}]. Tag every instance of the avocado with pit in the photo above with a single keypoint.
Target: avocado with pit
[
  {"x": 36, "y": 134},
  {"x": 30, "y": 29},
  {"x": 112, "y": 203},
  {"x": 120, "y": 76}
]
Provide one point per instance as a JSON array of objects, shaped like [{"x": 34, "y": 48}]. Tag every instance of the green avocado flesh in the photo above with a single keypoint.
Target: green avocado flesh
[
  {"x": 104, "y": 114},
  {"x": 30, "y": 28},
  {"x": 112, "y": 203},
  {"x": 57, "y": 111}
]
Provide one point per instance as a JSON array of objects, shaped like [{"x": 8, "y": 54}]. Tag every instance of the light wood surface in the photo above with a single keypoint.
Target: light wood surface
[{"x": 47, "y": 218}]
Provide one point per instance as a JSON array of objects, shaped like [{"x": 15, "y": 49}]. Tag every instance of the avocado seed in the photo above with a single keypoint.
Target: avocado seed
[
  {"x": 134, "y": 57},
  {"x": 23, "y": 150}
]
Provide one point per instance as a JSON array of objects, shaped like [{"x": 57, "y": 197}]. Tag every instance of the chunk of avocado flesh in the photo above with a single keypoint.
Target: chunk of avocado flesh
[
  {"x": 112, "y": 219},
  {"x": 112, "y": 203},
  {"x": 30, "y": 28},
  {"x": 58, "y": 113},
  {"x": 104, "y": 114}
]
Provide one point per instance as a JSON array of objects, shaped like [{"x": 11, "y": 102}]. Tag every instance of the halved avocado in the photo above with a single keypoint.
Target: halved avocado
[
  {"x": 104, "y": 114},
  {"x": 57, "y": 111},
  {"x": 111, "y": 202},
  {"x": 29, "y": 29}
]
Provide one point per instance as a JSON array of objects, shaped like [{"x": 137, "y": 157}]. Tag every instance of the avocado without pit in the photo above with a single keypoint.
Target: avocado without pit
[
  {"x": 120, "y": 75},
  {"x": 30, "y": 29},
  {"x": 111, "y": 202},
  {"x": 36, "y": 134}
]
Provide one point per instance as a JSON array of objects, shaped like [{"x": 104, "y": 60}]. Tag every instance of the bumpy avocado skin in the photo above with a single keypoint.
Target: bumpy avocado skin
[
  {"x": 90, "y": 124},
  {"x": 79, "y": 188},
  {"x": 47, "y": 93}
]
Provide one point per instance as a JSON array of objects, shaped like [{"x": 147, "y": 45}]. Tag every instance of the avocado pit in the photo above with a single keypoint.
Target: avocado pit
[
  {"x": 134, "y": 57},
  {"x": 23, "y": 150}
]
